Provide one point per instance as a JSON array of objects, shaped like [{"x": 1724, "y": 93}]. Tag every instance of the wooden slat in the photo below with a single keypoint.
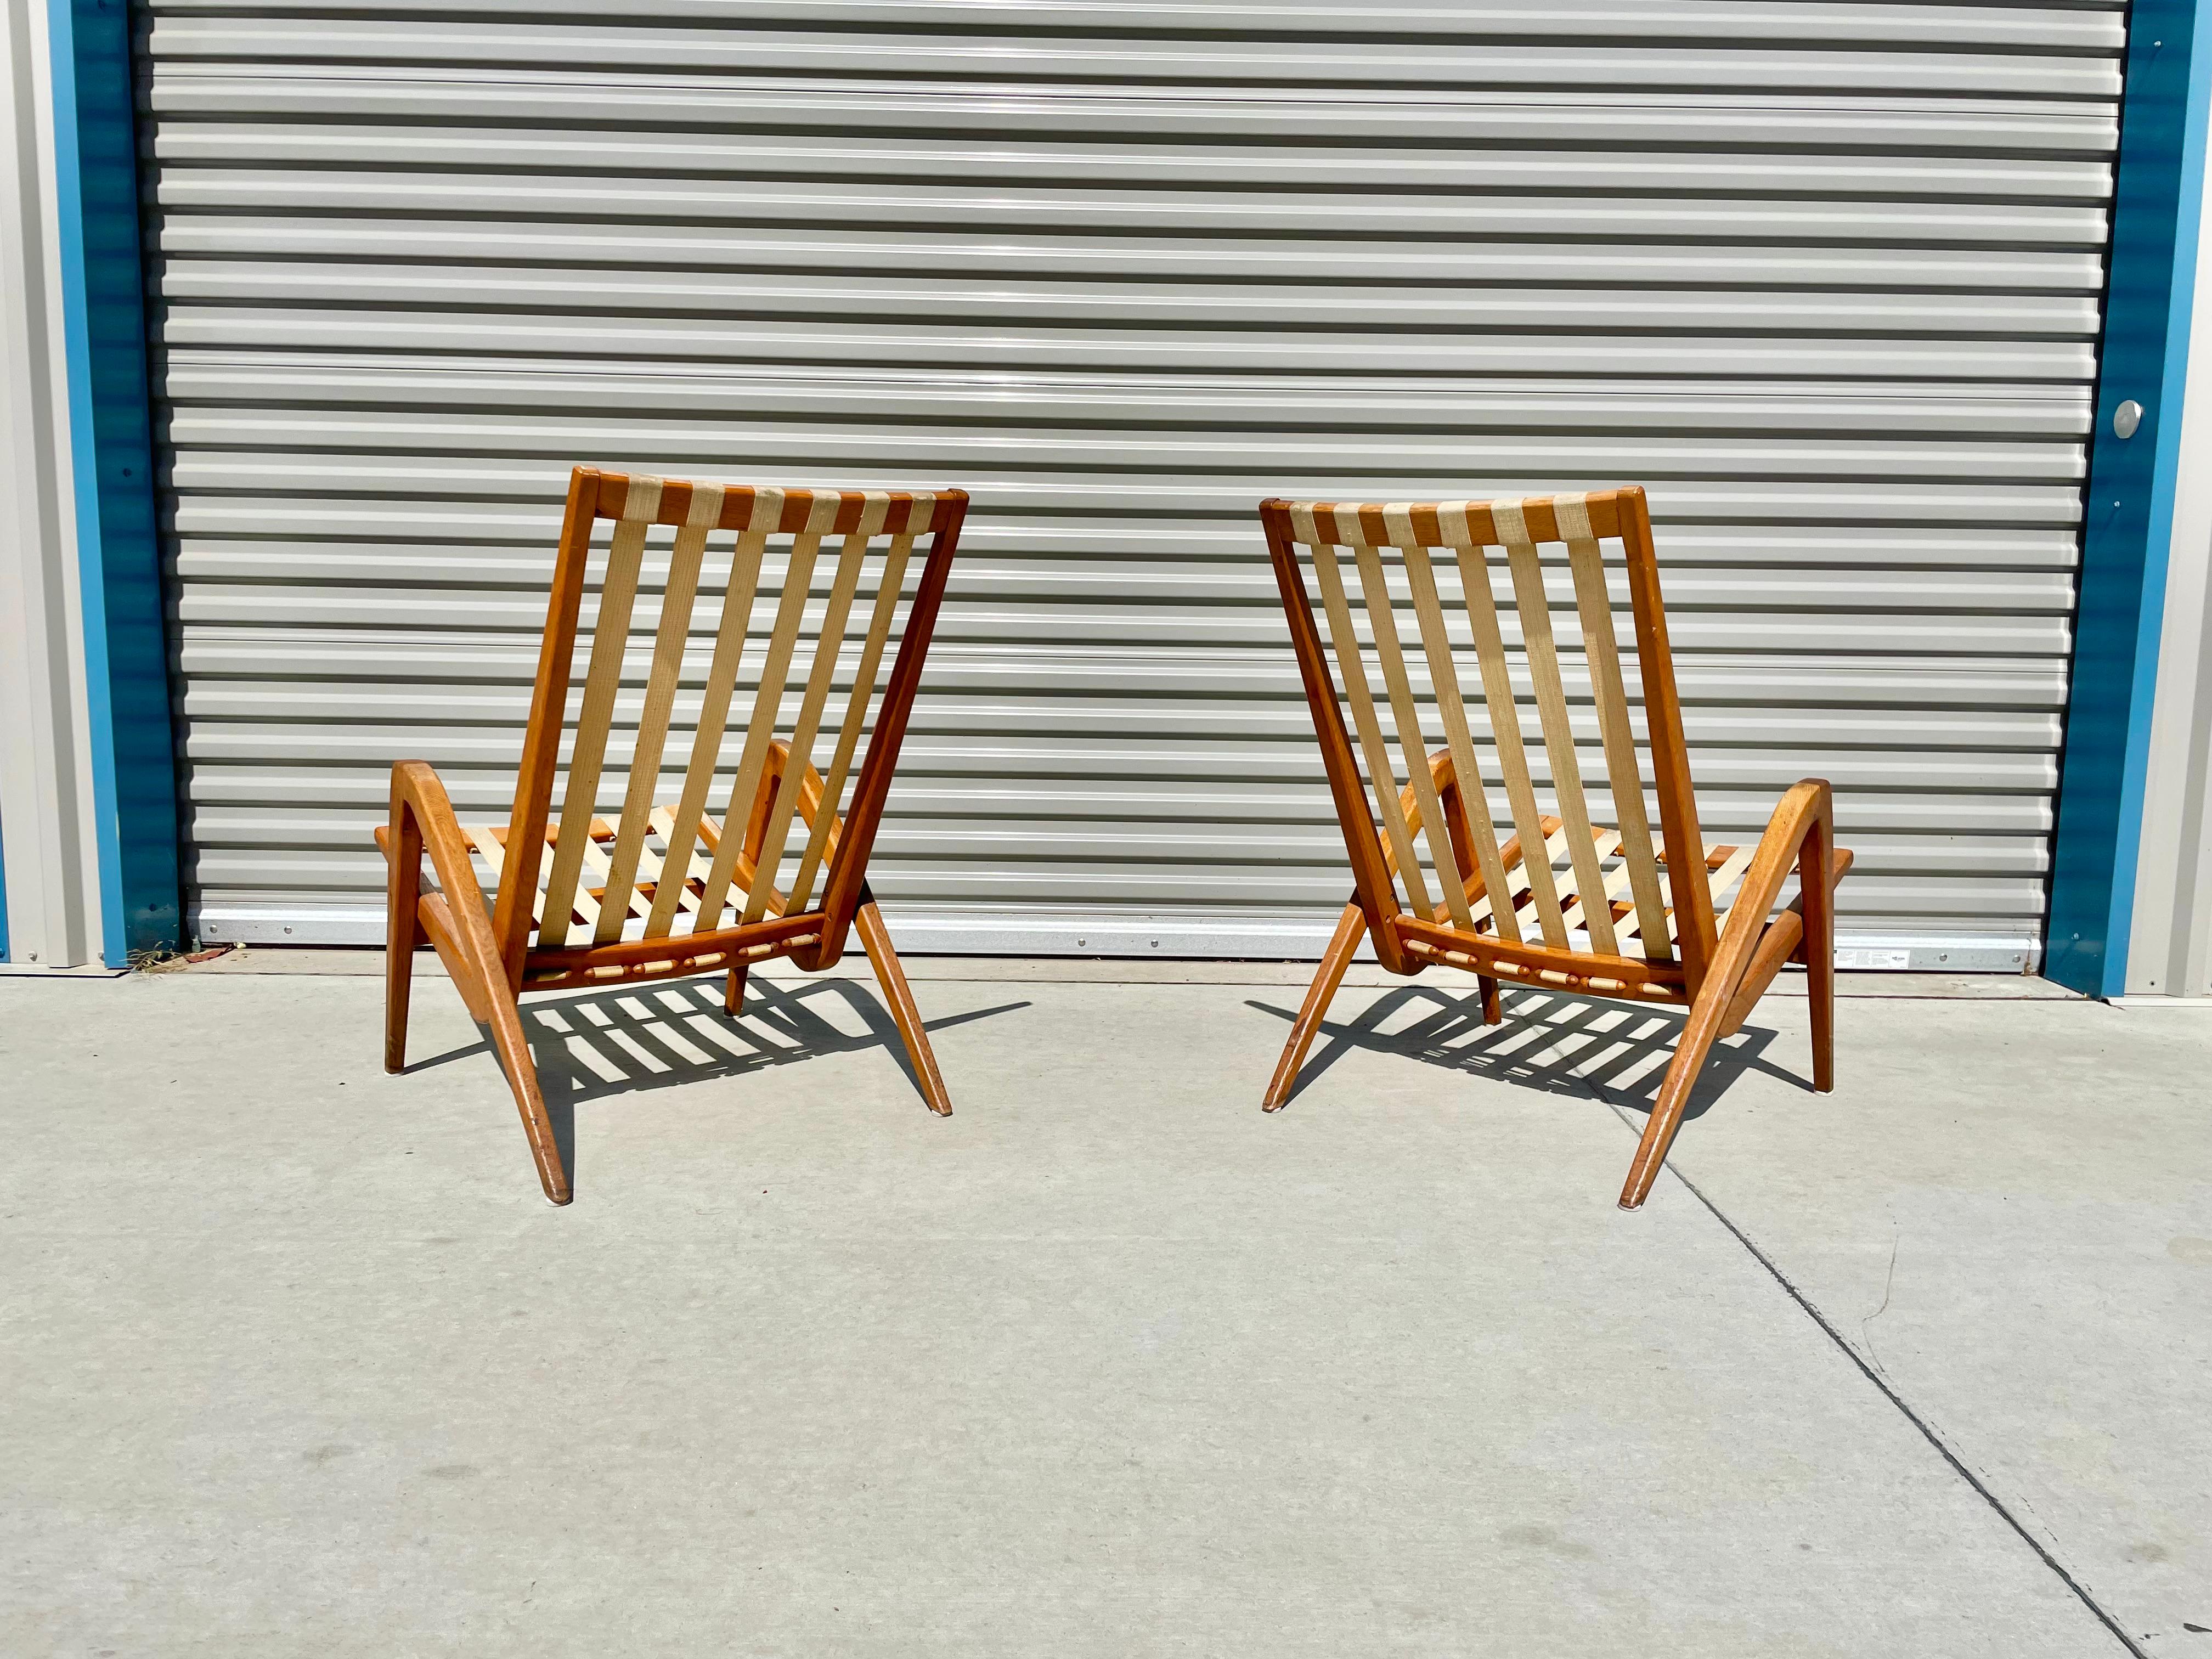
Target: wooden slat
[
  {"x": 1456, "y": 523},
  {"x": 1451, "y": 709},
  {"x": 1612, "y": 881},
  {"x": 1516, "y": 869},
  {"x": 1719, "y": 861},
  {"x": 1726, "y": 875},
  {"x": 650, "y": 867},
  {"x": 610, "y": 639},
  {"x": 1353, "y": 667},
  {"x": 827, "y": 644},
  {"x": 768, "y": 708},
  {"x": 683, "y": 831},
  {"x": 889, "y": 582},
  {"x": 1601, "y": 647},
  {"x": 597, "y": 897},
  {"x": 704, "y": 513},
  {"x": 1412, "y": 744},
  {"x": 1553, "y": 847},
  {"x": 652, "y": 872},
  {"x": 1542, "y": 655},
  {"x": 489, "y": 842}
]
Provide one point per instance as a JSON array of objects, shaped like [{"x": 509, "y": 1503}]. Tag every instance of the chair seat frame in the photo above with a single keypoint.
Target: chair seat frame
[
  {"x": 493, "y": 948},
  {"x": 1718, "y": 973}
]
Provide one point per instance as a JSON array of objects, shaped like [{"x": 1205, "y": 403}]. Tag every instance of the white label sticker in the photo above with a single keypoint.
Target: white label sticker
[{"x": 1862, "y": 956}]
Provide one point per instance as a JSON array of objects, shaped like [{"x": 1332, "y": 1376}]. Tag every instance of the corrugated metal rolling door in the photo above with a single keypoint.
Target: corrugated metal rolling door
[{"x": 1824, "y": 277}]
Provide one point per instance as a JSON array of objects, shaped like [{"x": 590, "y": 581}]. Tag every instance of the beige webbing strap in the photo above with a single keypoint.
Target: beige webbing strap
[
  {"x": 1353, "y": 668},
  {"x": 1731, "y": 873},
  {"x": 889, "y": 584},
  {"x": 683, "y": 831},
  {"x": 1443, "y": 675},
  {"x": 593, "y": 909},
  {"x": 1536, "y": 608},
  {"x": 704, "y": 514},
  {"x": 649, "y": 864},
  {"x": 1608, "y": 842},
  {"x": 610, "y": 639},
  {"x": 1504, "y": 717},
  {"x": 828, "y": 643},
  {"x": 768, "y": 709},
  {"x": 1412, "y": 744},
  {"x": 1601, "y": 647},
  {"x": 489, "y": 842},
  {"x": 1516, "y": 873}
]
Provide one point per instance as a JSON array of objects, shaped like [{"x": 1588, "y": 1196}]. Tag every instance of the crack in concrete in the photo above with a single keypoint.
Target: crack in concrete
[
  {"x": 1874, "y": 1375},
  {"x": 1866, "y": 1325}
]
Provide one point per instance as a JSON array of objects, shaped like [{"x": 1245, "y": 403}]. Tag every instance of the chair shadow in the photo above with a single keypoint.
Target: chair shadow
[
  {"x": 634, "y": 1037},
  {"x": 1551, "y": 1041}
]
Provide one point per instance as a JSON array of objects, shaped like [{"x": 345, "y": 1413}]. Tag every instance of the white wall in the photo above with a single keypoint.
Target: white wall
[
  {"x": 45, "y": 766},
  {"x": 2170, "y": 949}
]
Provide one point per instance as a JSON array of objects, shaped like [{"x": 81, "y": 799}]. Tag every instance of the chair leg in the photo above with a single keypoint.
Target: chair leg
[
  {"x": 1492, "y": 1010},
  {"x": 733, "y": 994},
  {"x": 1816, "y": 886},
  {"x": 1350, "y": 928},
  {"x": 513, "y": 1049},
  {"x": 402, "y": 932},
  {"x": 876, "y": 939},
  {"x": 1699, "y": 1033}
]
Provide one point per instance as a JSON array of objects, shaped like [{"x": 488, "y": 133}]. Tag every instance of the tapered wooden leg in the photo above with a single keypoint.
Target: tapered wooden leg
[
  {"x": 876, "y": 939},
  {"x": 733, "y": 994},
  {"x": 1817, "y": 902},
  {"x": 1699, "y": 1036},
  {"x": 402, "y": 931},
  {"x": 1492, "y": 1011},
  {"x": 513, "y": 1049},
  {"x": 1350, "y": 928},
  {"x": 1798, "y": 833}
]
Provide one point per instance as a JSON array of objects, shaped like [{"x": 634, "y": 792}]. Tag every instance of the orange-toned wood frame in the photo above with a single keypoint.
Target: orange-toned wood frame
[
  {"x": 497, "y": 952},
  {"x": 1718, "y": 973}
]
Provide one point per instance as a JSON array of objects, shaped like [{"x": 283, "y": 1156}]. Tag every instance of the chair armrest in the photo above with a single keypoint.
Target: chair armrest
[
  {"x": 1807, "y": 805},
  {"x": 418, "y": 791}
]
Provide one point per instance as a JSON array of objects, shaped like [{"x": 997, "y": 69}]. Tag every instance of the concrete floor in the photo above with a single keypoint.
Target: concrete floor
[{"x": 1109, "y": 1363}]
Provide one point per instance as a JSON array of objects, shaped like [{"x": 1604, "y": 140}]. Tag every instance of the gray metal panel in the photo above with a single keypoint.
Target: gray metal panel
[{"x": 1824, "y": 277}]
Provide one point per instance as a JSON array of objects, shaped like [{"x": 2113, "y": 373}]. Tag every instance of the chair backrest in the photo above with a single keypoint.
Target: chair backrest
[
  {"x": 809, "y": 595},
  {"x": 1507, "y": 615}
]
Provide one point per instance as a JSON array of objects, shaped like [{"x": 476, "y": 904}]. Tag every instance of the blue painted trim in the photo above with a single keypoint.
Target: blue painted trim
[
  {"x": 3, "y": 898},
  {"x": 2128, "y": 521},
  {"x": 134, "y": 773}
]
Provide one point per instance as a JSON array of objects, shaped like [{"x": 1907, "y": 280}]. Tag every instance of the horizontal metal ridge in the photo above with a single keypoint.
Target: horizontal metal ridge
[{"x": 1825, "y": 277}]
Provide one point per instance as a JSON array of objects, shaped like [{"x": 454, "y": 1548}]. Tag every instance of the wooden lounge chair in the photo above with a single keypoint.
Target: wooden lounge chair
[
  {"x": 684, "y": 884},
  {"x": 1587, "y": 913}
]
